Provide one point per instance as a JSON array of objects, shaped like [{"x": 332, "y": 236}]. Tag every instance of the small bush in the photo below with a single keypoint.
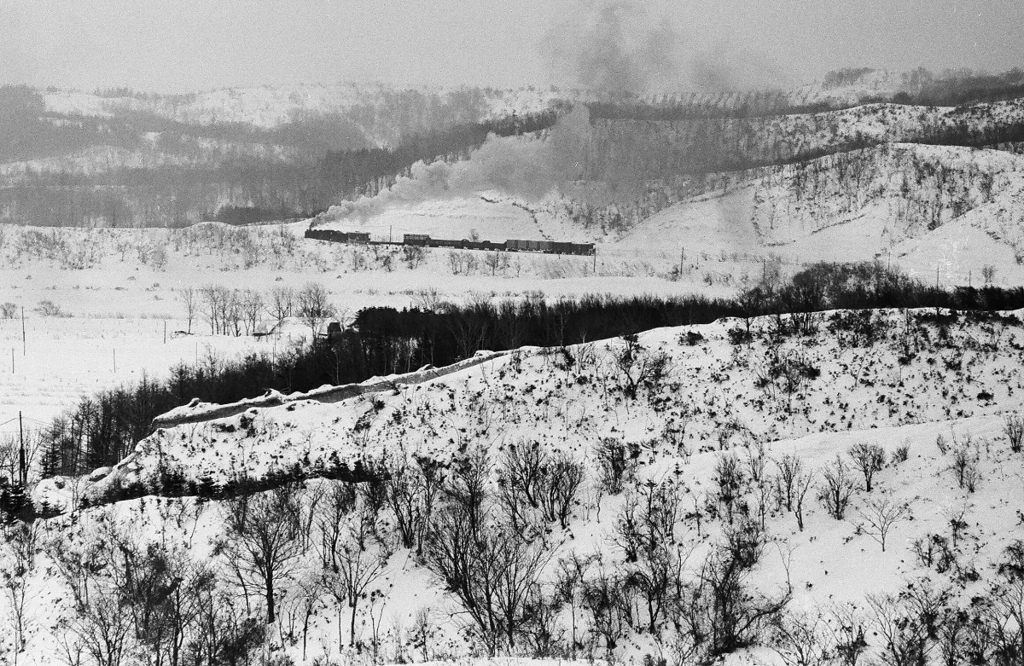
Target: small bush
[
  {"x": 836, "y": 489},
  {"x": 1013, "y": 428},
  {"x": 965, "y": 467},
  {"x": 869, "y": 459},
  {"x": 739, "y": 336},
  {"x": 50, "y": 309},
  {"x": 693, "y": 338},
  {"x": 616, "y": 462}
]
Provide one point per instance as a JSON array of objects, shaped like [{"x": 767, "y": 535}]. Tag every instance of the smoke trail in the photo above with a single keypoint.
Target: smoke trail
[
  {"x": 525, "y": 167},
  {"x": 615, "y": 46},
  {"x": 616, "y": 50}
]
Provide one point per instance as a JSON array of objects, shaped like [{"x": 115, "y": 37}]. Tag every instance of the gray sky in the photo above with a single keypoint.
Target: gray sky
[{"x": 181, "y": 45}]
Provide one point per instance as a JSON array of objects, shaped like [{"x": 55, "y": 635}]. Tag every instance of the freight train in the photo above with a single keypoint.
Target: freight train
[{"x": 424, "y": 240}]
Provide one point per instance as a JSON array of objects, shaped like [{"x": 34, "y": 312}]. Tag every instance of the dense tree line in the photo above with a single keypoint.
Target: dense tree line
[
  {"x": 959, "y": 87},
  {"x": 736, "y": 105},
  {"x": 101, "y": 430}
]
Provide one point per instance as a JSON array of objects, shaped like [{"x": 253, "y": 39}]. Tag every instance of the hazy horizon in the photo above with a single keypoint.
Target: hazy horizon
[{"x": 201, "y": 44}]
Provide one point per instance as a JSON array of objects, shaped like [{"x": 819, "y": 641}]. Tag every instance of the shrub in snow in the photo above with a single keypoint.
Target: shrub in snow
[
  {"x": 869, "y": 459},
  {"x": 836, "y": 488}
]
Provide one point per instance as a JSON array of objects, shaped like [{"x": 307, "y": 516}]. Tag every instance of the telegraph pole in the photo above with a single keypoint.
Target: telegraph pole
[{"x": 22, "y": 466}]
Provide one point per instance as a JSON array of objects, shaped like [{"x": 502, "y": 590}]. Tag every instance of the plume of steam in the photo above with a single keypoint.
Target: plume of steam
[
  {"x": 525, "y": 167},
  {"x": 614, "y": 46},
  {"x": 616, "y": 51}
]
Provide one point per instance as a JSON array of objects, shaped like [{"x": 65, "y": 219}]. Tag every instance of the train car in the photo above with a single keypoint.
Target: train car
[
  {"x": 417, "y": 239},
  {"x": 335, "y": 236}
]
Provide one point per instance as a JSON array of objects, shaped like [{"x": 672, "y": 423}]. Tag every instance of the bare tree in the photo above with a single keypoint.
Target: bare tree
[
  {"x": 262, "y": 541},
  {"x": 190, "y": 299},
  {"x": 234, "y": 315},
  {"x": 281, "y": 303},
  {"x": 102, "y": 628},
  {"x": 352, "y": 562},
  {"x": 211, "y": 306},
  {"x": 836, "y": 489},
  {"x": 802, "y": 484},
  {"x": 869, "y": 459},
  {"x": 496, "y": 260},
  {"x": 572, "y": 571},
  {"x": 22, "y": 540},
  {"x": 251, "y": 303},
  {"x": 639, "y": 367},
  {"x": 1005, "y": 615},
  {"x": 790, "y": 467},
  {"x": 645, "y": 530},
  {"x": 724, "y": 611},
  {"x": 491, "y": 567},
  {"x": 988, "y": 273},
  {"x": 880, "y": 516},
  {"x": 802, "y": 639},
  {"x": 729, "y": 481},
  {"x": 217, "y": 306},
  {"x": 313, "y": 306},
  {"x": 531, "y": 477},
  {"x": 495, "y": 575},
  {"x": 965, "y": 465},
  {"x": 412, "y": 492},
  {"x": 902, "y": 630}
]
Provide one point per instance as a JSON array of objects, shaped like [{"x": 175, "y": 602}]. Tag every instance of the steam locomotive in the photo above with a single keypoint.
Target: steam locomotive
[{"x": 424, "y": 240}]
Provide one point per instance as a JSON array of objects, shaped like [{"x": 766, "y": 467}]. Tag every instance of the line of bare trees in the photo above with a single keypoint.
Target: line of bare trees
[{"x": 240, "y": 311}]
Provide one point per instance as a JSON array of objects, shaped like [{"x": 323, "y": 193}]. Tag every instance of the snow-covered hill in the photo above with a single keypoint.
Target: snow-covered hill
[{"x": 671, "y": 413}]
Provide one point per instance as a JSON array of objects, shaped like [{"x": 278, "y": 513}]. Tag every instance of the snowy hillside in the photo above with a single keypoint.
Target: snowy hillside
[
  {"x": 696, "y": 449},
  {"x": 270, "y": 106}
]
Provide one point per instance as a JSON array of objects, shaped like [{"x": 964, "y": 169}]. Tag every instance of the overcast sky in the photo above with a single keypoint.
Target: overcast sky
[{"x": 181, "y": 45}]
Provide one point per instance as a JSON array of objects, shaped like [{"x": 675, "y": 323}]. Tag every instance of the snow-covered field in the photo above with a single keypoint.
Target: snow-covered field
[{"x": 117, "y": 308}]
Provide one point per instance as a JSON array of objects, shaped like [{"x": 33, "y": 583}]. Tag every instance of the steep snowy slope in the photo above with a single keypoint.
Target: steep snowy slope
[
  {"x": 919, "y": 206},
  {"x": 678, "y": 405}
]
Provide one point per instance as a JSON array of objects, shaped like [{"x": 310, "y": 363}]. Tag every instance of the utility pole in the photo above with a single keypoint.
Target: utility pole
[
  {"x": 22, "y": 466},
  {"x": 23, "y": 352}
]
